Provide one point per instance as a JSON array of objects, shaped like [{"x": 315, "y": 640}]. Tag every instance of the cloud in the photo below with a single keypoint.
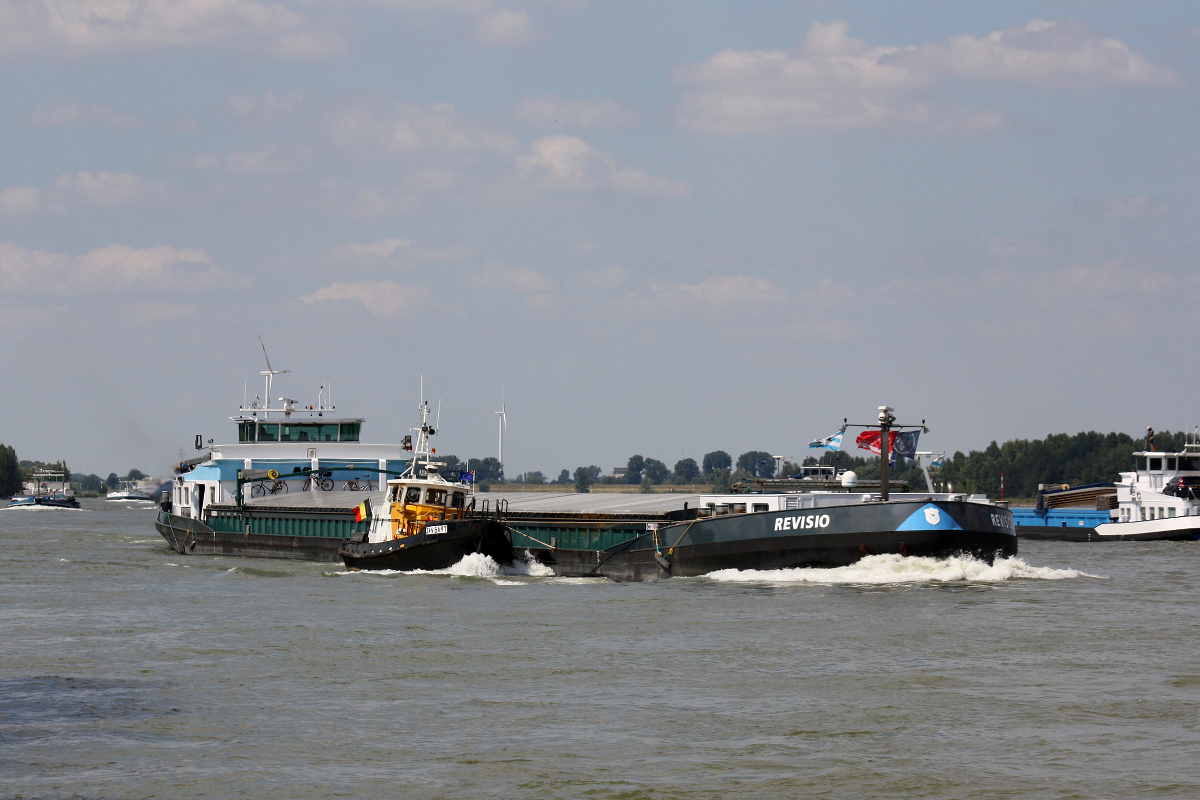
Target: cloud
[
  {"x": 398, "y": 252},
  {"x": 518, "y": 279},
  {"x": 1135, "y": 207},
  {"x": 569, "y": 164},
  {"x": 505, "y": 26},
  {"x": 63, "y": 113},
  {"x": 29, "y": 200},
  {"x": 82, "y": 188},
  {"x": 345, "y": 199},
  {"x": 269, "y": 159},
  {"x": 265, "y": 106},
  {"x": 718, "y": 292},
  {"x": 401, "y": 129},
  {"x": 381, "y": 298},
  {"x": 113, "y": 268},
  {"x": 553, "y": 112},
  {"x": 833, "y": 81},
  {"x": 70, "y": 28}
]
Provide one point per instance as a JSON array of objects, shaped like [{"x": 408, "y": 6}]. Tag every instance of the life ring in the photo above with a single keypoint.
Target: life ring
[{"x": 273, "y": 474}]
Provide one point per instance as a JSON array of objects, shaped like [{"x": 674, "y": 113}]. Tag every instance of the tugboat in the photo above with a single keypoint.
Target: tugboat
[
  {"x": 426, "y": 521},
  {"x": 45, "y": 489},
  {"x": 1160, "y": 499}
]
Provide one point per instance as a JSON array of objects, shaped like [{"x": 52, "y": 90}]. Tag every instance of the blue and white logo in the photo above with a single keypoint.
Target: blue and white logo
[{"x": 929, "y": 518}]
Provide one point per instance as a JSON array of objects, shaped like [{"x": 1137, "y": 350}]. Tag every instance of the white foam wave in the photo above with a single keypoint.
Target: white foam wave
[{"x": 896, "y": 569}]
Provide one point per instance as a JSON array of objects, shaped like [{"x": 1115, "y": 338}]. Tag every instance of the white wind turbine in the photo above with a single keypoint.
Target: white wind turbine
[{"x": 503, "y": 415}]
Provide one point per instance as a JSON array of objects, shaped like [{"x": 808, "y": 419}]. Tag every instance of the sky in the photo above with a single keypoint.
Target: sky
[{"x": 656, "y": 227}]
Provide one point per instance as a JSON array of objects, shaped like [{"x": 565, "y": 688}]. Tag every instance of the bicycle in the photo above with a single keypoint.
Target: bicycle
[
  {"x": 324, "y": 484},
  {"x": 354, "y": 485},
  {"x": 259, "y": 489}
]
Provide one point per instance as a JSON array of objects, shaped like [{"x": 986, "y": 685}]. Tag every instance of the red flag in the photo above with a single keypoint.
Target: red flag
[{"x": 873, "y": 441}]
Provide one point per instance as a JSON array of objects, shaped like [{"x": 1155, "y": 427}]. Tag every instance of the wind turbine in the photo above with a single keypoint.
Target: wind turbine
[
  {"x": 269, "y": 373},
  {"x": 503, "y": 415}
]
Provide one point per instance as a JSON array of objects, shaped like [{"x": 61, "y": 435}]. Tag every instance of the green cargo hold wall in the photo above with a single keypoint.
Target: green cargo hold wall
[{"x": 307, "y": 524}]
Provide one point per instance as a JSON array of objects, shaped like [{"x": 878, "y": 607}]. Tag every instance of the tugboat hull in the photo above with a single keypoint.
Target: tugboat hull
[{"x": 439, "y": 545}]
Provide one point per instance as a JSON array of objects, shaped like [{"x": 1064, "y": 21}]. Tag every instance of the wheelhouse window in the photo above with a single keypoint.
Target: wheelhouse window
[
  {"x": 1170, "y": 465},
  {"x": 349, "y": 431},
  {"x": 246, "y": 431},
  {"x": 1153, "y": 464},
  {"x": 268, "y": 433},
  {"x": 435, "y": 497},
  {"x": 413, "y": 495},
  {"x": 1188, "y": 464}
]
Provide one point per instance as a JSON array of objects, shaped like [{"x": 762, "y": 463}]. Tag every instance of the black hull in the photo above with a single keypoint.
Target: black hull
[
  {"x": 751, "y": 541},
  {"x": 191, "y": 537},
  {"x": 1051, "y": 533},
  {"x": 430, "y": 551}
]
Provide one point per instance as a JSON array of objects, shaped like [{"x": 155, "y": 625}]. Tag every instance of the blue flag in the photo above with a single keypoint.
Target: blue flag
[
  {"x": 466, "y": 477},
  {"x": 828, "y": 443},
  {"x": 904, "y": 443}
]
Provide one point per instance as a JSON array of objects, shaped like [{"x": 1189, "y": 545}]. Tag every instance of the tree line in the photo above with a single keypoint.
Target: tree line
[{"x": 14, "y": 472}]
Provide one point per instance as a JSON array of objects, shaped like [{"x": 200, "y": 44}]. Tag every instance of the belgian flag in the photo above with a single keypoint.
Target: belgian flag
[{"x": 362, "y": 510}]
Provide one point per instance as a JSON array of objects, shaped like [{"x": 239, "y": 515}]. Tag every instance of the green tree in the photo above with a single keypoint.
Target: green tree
[
  {"x": 535, "y": 477},
  {"x": 135, "y": 475},
  {"x": 488, "y": 470},
  {"x": 757, "y": 463},
  {"x": 636, "y": 465},
  {"x": 656, "y": 471},
  {"x": 112, "y": 481},
  {"x": 564, "y": 476},
  {"x": 687, "y": 470},
  {"x": 583, "y": 479},
  {"x": 717, "y": 459},
  {"x": 10, "y": 472},
  {"x": 720, "y": 478}
]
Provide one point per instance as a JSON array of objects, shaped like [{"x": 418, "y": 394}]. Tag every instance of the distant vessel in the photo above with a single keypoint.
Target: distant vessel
[
  {"x": 131, "y": 490},
  {"x": 426, "y": 520},
  {"x": 287, "y": 488},
  {"x": 1160, "y": 499},
  {"x": 45, "y": 489}
]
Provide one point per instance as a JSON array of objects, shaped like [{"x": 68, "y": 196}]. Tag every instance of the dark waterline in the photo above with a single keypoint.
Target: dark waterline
[{"x": 128, "y": 671}]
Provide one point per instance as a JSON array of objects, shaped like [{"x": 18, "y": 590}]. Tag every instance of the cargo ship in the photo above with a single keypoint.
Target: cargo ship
[
  {"x": 1159, "y": 499},
  {"x": 288, "y": 487}
]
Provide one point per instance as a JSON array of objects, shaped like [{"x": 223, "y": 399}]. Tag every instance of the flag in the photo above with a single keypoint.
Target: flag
[
  {"x": 362, "y": 510},
  {"x": 900, "y": 443},
  {"x": 828, "y": 443},
  {"x": 870, "y": 440},
  {"x": 904, "y": 443},
  {"x": 466, "y": 477}
]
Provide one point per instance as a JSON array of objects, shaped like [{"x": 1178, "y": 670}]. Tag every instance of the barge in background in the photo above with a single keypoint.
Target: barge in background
[{"x": 45, "y": 489}]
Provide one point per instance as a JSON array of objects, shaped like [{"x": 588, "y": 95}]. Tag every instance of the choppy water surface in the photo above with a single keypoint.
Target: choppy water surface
[{"x": 127, "y": 671}]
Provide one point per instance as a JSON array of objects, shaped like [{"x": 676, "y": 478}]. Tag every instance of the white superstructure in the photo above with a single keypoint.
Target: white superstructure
[
  {"x": 307, "y": 449},
  {"x": 1160, "y": 499}
]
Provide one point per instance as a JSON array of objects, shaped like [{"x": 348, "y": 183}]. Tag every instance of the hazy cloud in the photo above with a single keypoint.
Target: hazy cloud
[
  {"x": 115, "y": 267},
  {"x": 92, "y": 27},
  {"x": 265, "y": 106},
  {"x": 271, "y": 158},
  {"x": 381, "y": 298},
  {"x": 569, "y": 164},
  {"x": 834, "y": 81},
  {"x": 717, "y": 292},
  {"x": 498, "y": 277},
  {"x": 505, "y": 26},
  {"x": 63, "y": 113},
  {"x": 1134, "y": 207},
  {"x": 408, "y": 129},
  {"x": 82, "y": 188},
  {"x": 553, "y": 112}
]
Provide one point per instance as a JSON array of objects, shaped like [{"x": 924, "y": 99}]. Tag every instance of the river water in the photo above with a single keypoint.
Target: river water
[{"x": 127, "y": 671}]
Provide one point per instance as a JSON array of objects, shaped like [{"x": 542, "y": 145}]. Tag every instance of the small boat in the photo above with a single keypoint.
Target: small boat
[
  {"x": 426, "y": 521},
  {"x": 131, "y": 491},
  {"x": 45, "y": 489},
  {"x": 1159, "y": 500}
]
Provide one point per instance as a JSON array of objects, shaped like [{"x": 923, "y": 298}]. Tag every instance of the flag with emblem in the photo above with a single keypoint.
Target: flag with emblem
[
  {"x": 362, "y": 510},
  {"x": 904, "y": 443}
]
